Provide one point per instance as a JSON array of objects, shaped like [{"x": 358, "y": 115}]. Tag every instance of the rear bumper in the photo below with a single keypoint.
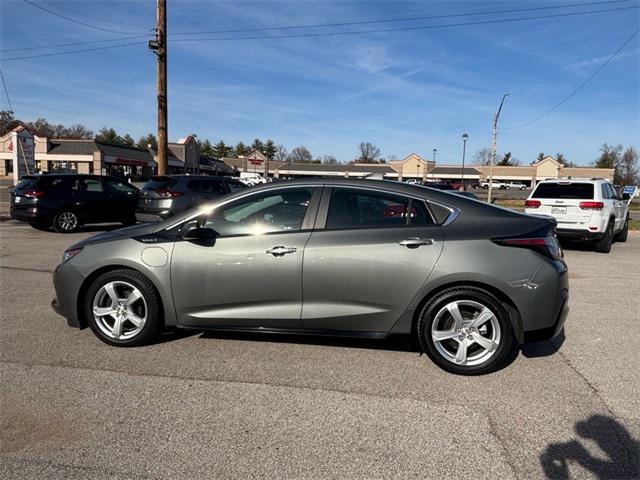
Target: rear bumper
[
  {"x": 28, "y": 214},
  {"x": 579, "y": 234},
  {"x": 554, "y": 330}
]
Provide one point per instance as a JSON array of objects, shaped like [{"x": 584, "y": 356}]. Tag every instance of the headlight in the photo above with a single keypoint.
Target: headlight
[{"x": 69, "y": 254}]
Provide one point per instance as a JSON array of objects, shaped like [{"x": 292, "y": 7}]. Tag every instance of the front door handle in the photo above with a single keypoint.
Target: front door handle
[
  {"x": 280, "y": 250},
  {"x": 415, "y": 242}
]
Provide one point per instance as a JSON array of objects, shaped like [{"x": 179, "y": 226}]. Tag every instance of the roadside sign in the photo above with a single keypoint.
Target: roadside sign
[{"x": 631, "y": 190}]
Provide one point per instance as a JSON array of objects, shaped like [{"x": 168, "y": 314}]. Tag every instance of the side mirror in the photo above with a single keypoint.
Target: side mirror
[
  {"x": 626, "y": 196},
  {"x": 199, "y": 234}
]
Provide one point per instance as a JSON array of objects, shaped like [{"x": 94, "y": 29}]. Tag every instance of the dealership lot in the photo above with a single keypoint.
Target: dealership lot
[{"x": 218, "y": 405}]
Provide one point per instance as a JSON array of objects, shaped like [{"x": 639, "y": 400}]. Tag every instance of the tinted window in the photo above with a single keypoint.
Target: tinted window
[
  {"x": 27, "y": 183},
  {"x": 577, "y": 191},
  {"x": 268, "y": 212},
  {"x": 81, "y": 184},
  {"x": 235, "y": 186},
  {"x": 121, "y": 187},
  {"x": 158, "y": 183},
  {"x": 360, "y": 209},
  {"x": 207, "y": 186}
]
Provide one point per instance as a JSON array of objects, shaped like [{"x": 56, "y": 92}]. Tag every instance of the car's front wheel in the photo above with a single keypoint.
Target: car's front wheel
[
  {"x": 466, "y": 330},
  {"x": 122, "y": 307}
]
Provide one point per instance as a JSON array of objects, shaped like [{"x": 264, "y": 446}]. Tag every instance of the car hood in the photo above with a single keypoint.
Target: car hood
[{"x": 118, "y": 234}]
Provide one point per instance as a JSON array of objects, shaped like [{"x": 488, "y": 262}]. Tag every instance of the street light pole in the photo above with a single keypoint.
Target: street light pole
[
  {"x": 493, "y": 146},
  {"x": 159, "y": 46},
  {"x": 465, "y": 137}
]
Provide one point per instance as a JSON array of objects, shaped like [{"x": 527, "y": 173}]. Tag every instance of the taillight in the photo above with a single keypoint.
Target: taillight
[
  {"x": 547, "y": 245},
  {"x": 591, "y": 205},
  {"x": 532, "y": 204},
  {"x": 165, "y": 192},
  {"x": 33, "y": 193}
]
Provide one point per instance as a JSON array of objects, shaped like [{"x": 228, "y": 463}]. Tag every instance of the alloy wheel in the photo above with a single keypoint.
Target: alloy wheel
[
  {"x": 67, "y": 221},
  {"x": 466, "y": 333},
  {"x": 119, "y": 310}
]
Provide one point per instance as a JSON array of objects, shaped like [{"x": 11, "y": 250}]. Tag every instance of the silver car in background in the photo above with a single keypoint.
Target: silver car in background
[{"x": 468, "y": 280}]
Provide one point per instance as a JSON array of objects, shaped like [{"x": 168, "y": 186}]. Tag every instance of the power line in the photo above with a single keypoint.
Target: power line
[
  {"x": 69, "y": 19},
  {"x": 405, "y": 29},
  {"x": 72, "y": 44},
  {"x": 405, "y": 19},
  {"x": 591, "y": 77},
  {"x": 6, "y": 92},
  {"x": 54, "y": 54},
  {"x": 92, "y": 17}
]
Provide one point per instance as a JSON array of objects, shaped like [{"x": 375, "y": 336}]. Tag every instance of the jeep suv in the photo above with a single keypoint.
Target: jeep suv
[
  {"x": 164, "y": 196},
  {"x": 585, "y": 209}
]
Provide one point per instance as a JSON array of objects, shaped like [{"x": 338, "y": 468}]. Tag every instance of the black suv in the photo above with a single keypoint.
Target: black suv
[
  {"x": 67, "y": 201},
  {"x": 164, "y": 196}
]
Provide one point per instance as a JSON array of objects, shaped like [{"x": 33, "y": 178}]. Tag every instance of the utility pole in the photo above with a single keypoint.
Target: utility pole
[
  {"x": 493, "y": 146},
  {"x": 159, "y": 45},
  {"x": 465, "y": 137}
]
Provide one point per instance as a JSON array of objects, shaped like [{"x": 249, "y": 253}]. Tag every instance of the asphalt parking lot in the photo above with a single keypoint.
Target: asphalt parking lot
[{"x": 237, "y": 406}]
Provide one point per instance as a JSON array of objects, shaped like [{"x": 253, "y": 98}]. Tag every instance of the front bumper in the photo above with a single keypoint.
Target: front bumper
[{"x": 67, "y": 282}]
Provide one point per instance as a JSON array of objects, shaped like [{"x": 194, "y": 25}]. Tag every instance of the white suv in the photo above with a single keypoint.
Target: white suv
[{"x": 586, "y": 209}]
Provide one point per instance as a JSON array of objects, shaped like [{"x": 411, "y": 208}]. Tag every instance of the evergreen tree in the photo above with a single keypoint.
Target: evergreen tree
[
  {"x": 257, "y": 145},
  {"x": 221, "y": 150},
  {"x": 269, "y": 149},
  {"x": 240, "y": 149}
]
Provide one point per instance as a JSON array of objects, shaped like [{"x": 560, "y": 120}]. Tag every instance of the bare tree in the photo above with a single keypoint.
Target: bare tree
[
  {"x": 329, "y": 160},
  {"x": 281, "y": 153},
  {"x": 368, "y": 153},
  {"x": 482, "y": 157},
  {"x": 629, "y": 170},
  {"x": 300, "y": 155}
]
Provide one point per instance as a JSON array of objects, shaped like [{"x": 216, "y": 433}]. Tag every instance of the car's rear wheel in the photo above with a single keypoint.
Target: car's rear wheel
[
  {"x": 66, "y": 221},
  {"x": 604, "y": 244},
  {"x": 624, "y": 233},
  {"x": 122, "y": 308},
  {"x": 466, "y": 330}
]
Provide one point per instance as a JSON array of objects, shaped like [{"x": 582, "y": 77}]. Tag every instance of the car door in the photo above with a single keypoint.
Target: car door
[
  {"x": 618, "y": 207},
  {"x": 251, "y": 275},
  {"x": 123, "y": 197},
  {"x": 91, "y": 201},
  {"x": 369, "y": 256}
]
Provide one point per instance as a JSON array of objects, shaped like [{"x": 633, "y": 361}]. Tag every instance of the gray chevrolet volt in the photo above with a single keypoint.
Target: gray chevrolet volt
[{"x": 467, "y": 280}]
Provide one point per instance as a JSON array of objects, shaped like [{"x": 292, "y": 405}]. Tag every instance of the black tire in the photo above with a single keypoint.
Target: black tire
[
  {"x": 40, "y": 226},
  {"x": 622, "y": 235},
  {"x": 66, "y": 221},
  {"x": 506, "y": 344},
  {"x": 151, "y": 301},
  {"x": 604, "y": 244}
]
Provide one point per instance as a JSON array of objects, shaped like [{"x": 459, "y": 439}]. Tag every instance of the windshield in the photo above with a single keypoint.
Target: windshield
[{"x": 571, "y": 191}]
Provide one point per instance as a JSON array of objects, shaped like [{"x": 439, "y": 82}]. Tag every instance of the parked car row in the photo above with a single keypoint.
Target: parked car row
[
  {"x": 68, "y": 201},
  {"x": 495, "y": 184}
]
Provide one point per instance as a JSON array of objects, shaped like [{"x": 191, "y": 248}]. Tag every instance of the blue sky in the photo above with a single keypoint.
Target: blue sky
[{"x": 409, "y": 91}]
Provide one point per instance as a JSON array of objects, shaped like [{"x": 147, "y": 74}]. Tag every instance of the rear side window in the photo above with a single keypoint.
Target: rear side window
[
  {"x": 159, "y": 183},
  {"x": 82, "y": 184},
  {"x": 215, "y": 187},
  {"x": 235, "y": 186},
  {"x": 362, "y": 209},
  {"x": 120, "y": 186},
  {"x": 571, "y": 191}
]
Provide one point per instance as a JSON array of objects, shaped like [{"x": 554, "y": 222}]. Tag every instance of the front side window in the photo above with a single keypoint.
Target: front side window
[
  {"x": 215, "y": 187},
  {"x": 354, "y": 208},
  {"x": 82, "y": 184},
  {"x": 235, "y": 186},
  {"x": 269, "y": 212}
]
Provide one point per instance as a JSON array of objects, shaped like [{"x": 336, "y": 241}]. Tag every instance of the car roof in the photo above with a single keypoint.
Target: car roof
[{"x": 573, "y": 180}]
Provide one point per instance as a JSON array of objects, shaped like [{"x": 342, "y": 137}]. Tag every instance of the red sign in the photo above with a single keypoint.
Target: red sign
[
  {"x": 126, "y": 161},
  {"x": 254, "y": 161}
]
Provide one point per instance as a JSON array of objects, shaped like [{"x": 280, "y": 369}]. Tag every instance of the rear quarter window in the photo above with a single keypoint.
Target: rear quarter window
[
  {"x": 158, "y": 183},
  {"x": 570, "y": 191}
]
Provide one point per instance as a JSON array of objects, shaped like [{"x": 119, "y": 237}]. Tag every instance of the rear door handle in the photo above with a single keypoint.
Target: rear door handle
[
  {"x": 415, "y": 242},
  {"x": 280, "y": 250}
]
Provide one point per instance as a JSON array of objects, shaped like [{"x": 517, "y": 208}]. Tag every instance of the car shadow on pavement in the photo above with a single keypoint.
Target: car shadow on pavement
[
  {"x": 543, "y": 349},
  {"x": 400, "y": 343},
  {"x": 621, "y": 451}
]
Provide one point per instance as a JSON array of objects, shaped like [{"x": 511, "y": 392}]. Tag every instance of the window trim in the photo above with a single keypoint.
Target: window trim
[
  {"x": 323, "y": 210},
  {"x": 307, "y": 221}
]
